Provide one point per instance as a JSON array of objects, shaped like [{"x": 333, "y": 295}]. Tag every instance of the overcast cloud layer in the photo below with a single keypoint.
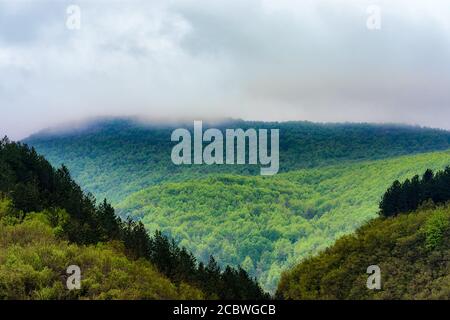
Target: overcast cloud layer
[{"x": 262, "y": 60}]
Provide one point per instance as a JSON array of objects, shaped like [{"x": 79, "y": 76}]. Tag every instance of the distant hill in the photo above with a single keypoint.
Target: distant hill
[
  {"x": 410, "y": 247},
  {"x": 114, "y": 158}
]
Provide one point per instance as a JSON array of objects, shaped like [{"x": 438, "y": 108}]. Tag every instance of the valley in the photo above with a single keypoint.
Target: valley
[{"x": 268, "y": 224}]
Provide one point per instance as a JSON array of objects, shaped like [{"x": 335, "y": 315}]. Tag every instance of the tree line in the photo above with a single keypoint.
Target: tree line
[
  {"x": 34, "y": 185},
  {"x": 409, "y": 195}
]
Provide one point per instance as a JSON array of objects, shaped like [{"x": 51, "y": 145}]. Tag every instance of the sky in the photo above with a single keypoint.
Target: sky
[{"x": 277, "y": 60}]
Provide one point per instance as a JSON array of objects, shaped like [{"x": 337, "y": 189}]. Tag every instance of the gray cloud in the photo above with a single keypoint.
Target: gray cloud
[{"x": 264, "y": 60}]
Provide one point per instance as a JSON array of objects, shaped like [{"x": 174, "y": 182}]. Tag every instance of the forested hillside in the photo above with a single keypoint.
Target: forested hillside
[
  {"x": 410, "y": 268},
  {"x": 267, "y": 224},
  {"x": 412, "y": 249},
  {"x": 330, "y": 182},
  {"x": 47, "y": 223},
  {"x": 115, "y": 157},
  {"x": 34, "y": 259}
]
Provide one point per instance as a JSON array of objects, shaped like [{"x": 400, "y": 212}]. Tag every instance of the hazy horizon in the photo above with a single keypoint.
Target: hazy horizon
[
  {"x": 86, "y": 123},
  {"x": 267, "y": 60}
]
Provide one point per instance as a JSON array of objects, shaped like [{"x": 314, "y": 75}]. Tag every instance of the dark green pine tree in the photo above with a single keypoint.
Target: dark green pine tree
[
  {"x": 136, "y": 239},
  {"x": 408, "y": 196},
  {"x": 389, "y": 201},
  {"x": 107, "y": 222}
]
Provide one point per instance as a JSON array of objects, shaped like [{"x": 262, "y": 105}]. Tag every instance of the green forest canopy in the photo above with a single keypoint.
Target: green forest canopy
[
  {"x": 113, "y": 158},
  {"x": 267, "y": 224},
  {"x": 328, "y": 187}
]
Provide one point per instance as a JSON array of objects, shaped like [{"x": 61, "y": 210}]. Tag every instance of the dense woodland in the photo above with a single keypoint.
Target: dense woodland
[
  {"x": 267, "y": 224},
  {"x": 332, "y": 178},
  {"x": 411, "y": 246},
  {"x": 331, "y": 182},
  {"x": 114, "y": 158},
  {"x": 34, "y": 194},
  {"x": 120, "y": 261}
]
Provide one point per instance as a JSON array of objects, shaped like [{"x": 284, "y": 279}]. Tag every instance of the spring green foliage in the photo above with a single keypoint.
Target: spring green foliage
[
  {"x": 435, "y": 229},
  {"x": 28, "y": 183},
  {"x": 34, "y": 258},
  {"x": 412, "y": 251},
  {"x": 267, "y": 224},
  {"x": 114, "y": 158}
]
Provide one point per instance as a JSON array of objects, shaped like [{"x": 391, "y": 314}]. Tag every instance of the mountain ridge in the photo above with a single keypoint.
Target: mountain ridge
[{"x": 126, "y": 157}]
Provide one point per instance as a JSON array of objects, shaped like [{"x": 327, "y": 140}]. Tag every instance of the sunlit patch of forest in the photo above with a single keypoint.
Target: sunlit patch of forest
[{"x": 267, "y": 224}]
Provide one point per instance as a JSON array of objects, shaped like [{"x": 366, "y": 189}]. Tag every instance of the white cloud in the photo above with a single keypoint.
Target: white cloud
[{"x": 269, "y": 59}]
